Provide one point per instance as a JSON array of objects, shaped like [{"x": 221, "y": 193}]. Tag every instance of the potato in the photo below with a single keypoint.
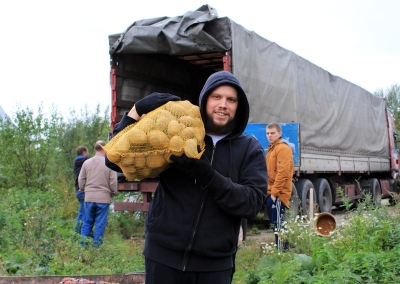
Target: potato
[
  {"x": 127, "y": 161},
  {"x": 194, "y": 111},
  {"x": 143, "y": 173},
  {"x": 162, "y": 123},
  {"x": 113, "y": 156},
  {"x": 139, "y": 161},
  {"x": 176, "y": 143},
  {"x": 187, "y": 120},
  {"x": 122, "y": 146},
  {"x": 146, "y": 124},
  {"x": 199, "y": 134},
  {"x": 191, "y": 148},
  {"x": 198, "y": 122},
  {"x": 174, "y": 128},
  {"x": 158, "y": 139},
  {"x": 129, "y": 176},
  {"x": 129, "y": 172},
  {"x": 185, "y": 104},
  {"x": 176, "y": 109},
  {"x": 162, "y": 112},
  {"x": 155, "y": 161},
  {"x": 187, "y": 133},
  {"x": 136, "y": 136}
]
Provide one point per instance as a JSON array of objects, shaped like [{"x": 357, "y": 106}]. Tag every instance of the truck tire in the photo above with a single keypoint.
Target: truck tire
[
  {"x": 375, "y": 191},
  {"x": 294, "y": 201},
  {"x": 324, "y": 194},
  {"x": 304, "y": 187}
]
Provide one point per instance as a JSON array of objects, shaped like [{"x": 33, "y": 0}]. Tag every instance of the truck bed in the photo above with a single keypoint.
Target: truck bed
[{"x": 177, "y": 54}]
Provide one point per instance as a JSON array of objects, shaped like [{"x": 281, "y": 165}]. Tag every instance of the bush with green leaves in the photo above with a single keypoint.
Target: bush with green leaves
[
  {"x": 38, "y": 148},
  {"x": 38, "y": 206},
  {"x": 36, "y": 239}
]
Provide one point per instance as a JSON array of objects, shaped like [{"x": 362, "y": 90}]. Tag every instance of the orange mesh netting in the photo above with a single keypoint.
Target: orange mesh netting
[{"x": 142, "y": 150}]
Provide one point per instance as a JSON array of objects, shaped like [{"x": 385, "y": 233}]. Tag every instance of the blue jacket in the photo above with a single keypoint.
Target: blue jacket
[
  {"x": 195, "y": 228},
  {"x": 77, "y": 168}
]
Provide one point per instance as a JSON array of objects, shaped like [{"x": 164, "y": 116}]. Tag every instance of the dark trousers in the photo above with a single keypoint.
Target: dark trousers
[
  {"x": 80, "y": 195},
  {"x": 157, "y": 273},
  {"x": 276, "y": 211}
]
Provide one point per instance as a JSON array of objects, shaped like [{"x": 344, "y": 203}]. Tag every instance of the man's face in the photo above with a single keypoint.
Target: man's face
[
  {"x": 273, "y": 134},
  {"x": 221, "y": 109}
]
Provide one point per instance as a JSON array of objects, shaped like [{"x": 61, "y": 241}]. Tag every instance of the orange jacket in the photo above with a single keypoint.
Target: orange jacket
[{"x": 280, "y": 166}]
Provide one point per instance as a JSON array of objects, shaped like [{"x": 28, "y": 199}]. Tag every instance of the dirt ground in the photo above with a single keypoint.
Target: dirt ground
[{"x": 266, "y": 236}]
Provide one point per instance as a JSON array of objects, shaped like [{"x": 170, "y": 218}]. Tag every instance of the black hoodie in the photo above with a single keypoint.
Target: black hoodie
[
  {"x": 77, "y": 168},
  {"x": 195, "y": 228}
]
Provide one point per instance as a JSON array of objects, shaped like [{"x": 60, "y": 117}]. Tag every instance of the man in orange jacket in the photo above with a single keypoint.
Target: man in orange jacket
[{"x": 280, "y": 166}]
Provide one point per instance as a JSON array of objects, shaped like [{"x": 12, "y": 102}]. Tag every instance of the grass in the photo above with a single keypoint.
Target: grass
[{"x": 248, "y": 256}]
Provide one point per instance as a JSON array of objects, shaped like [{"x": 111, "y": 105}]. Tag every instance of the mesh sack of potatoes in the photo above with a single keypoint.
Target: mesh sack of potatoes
[{"x": 142, "y": 150}]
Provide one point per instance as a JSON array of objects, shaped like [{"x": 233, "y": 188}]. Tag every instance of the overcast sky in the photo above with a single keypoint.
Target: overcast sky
[{"x": 56, "y": 52}]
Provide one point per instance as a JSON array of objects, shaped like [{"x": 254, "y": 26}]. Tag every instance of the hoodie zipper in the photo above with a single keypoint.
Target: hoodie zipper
[{"x": 203, "y": 199}]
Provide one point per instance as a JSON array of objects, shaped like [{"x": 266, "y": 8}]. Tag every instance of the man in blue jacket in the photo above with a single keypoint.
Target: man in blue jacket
[
  {"x": 193, "y": 222},
  {"x": 82, "y": 155}
]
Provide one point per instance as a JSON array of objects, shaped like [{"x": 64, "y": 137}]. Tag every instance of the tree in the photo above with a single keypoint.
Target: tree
[
  {"x": 84, "y": 129},
  {"x": 38, "y": 151},
  {"x": 392, "y": 97},
  {"x": 28, "y": 143}
]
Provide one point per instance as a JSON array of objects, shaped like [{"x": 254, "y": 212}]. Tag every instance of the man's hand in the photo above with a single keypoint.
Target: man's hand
[
  {"x": 153, "y": 101},
  {"x": 199, "y": 169}
]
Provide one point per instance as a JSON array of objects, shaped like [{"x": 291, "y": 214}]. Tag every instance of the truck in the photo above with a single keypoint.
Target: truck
[{"x": 344, "y": 136}]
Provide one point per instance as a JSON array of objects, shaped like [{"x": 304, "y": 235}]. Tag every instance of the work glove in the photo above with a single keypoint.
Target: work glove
[
  {"x": 199, "y": 169},
  {"x": 153, "y": 101}
]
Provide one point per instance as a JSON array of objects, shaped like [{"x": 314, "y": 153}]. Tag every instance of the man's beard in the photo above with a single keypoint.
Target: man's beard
[{"x": 215, "y": 129}]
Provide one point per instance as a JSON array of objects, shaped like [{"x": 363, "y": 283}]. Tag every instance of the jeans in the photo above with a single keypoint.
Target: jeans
[
  {"x": 276, "y": 211},
  {"x": 80, "y": 195},
  {"x": 96, "y": 215}
]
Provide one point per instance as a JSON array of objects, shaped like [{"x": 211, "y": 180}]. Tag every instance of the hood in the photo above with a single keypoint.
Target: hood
[
  {"x": 226, "y": 78},
  {"x": 291, "y": 145}
]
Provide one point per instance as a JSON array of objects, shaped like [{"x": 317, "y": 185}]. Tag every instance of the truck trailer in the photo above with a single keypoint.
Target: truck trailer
[{"x": 344, "y": 136}]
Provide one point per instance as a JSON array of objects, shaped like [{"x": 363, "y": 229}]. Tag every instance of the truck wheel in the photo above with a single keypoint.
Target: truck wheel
[
  {"x": 375, "y": 190},
  {"x": 304, "y": 187},
  {"x": 294, "y": 201},
  {"x": 324, "y": 194}
]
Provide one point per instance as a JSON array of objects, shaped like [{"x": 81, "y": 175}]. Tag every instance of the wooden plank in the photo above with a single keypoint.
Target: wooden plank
[
  {"x": 129, "y": 278},
  {"x": 131, "y": 206}
]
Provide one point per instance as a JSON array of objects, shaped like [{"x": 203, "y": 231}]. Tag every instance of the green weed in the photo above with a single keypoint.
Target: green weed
[
  {"x": 37, "y": 238},
  {"x": 363, "y": 249}
]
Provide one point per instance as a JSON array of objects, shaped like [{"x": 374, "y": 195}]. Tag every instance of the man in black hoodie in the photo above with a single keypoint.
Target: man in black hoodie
[{"x": 193, "y": 222}]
